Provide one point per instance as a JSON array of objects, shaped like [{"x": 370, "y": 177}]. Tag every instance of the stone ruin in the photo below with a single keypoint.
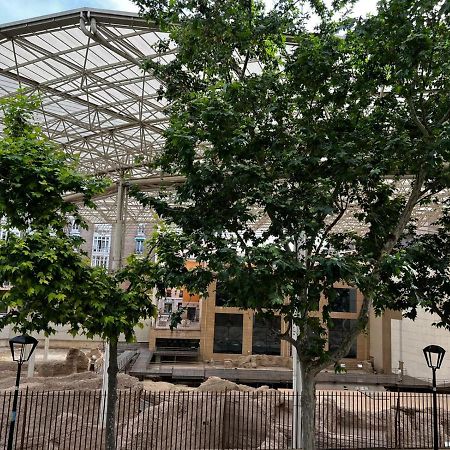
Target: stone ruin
[{"x": 76, "y": 361}]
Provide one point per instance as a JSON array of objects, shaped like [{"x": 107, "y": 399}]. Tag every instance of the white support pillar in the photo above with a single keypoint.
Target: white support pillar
[
  {"x": 297, "y": 438},
  {"x": 297, "y": 388},
  {"x": 30, "y": 370},
  {"x": 118, "y": 229},
  {"x": 104, "y": 384},
  {"x": 46, "y": 348},
  {"x": 116, "y": 263},
  {"x": 401, "y": 368}
]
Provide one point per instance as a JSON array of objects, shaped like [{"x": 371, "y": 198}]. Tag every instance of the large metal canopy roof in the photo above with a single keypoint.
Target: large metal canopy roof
[{"x": 98, "y": 104}]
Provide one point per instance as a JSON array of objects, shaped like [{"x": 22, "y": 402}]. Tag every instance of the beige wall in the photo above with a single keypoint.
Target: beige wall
[
  {"x": 63, "y": 339},
  {"x": 207, "y": 322},
  {"x": 408, "y": 338},
  {"x": 376, "y": 341}
]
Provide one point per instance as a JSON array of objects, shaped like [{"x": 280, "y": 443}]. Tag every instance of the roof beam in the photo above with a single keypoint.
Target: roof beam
[{"x": 64, "y": 95}]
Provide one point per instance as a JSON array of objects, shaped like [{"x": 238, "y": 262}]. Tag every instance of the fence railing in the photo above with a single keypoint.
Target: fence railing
[{"x": 70, "y": 420}]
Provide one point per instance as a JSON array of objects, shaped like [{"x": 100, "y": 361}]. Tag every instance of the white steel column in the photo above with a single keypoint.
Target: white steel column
[
  {"x": 297, "y": 438},
  {"x": 46, "y": 348},
  {"x": 31, "y": 361},
  {"x": 116, "y": 263},
  {"x": 297, "y": 388}
]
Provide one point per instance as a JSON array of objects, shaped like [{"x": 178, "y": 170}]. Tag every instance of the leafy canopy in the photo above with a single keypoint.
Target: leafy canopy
[
  {"x": 51, "y": 280},
  {"x": 293, "y": 144}
]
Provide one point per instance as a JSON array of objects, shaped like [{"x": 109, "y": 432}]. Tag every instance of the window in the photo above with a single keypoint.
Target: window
[
  {"x": 192, "y": 314},
  {"x": 101, "y": 242},
  {"x": 3, "y": 309},
  {"x": 228, "y": 333},
  {"x": 345, "y": 300},
  {"x": 74, "y": 228},
  {"x": 265, "y": 338},
  {"x": 167, "y": 308},
  {"x": 337, "y": 333},
  {"x": 139, "y": 246},
  {"x": 140, "y": 230},
  {"x": 100, "y": 261},
  {"x": 222, "y": 299}
]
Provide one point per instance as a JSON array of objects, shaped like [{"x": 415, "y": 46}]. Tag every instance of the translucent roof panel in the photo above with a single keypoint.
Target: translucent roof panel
[
  {"x": 97, "y": 102},
  {"x": 100, "y": 106}
]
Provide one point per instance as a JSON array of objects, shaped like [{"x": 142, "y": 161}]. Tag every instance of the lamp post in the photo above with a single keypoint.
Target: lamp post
[
  {"x": 434, "y": 356},
  {"x": 22, "y": 348}
]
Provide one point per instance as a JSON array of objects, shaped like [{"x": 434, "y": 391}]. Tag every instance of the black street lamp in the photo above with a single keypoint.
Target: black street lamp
[
  {"x": 434, "y": 356},
  {"x": 22, "y": 348}
]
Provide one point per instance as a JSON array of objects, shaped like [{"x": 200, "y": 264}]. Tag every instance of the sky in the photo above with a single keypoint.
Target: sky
[{"x": 12, "y": 10}]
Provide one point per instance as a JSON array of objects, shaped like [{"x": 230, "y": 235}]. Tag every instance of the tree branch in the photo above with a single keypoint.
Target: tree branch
[
  {"x": 444, "y": 117},
  {"x": 330, "y": 227},
  {"x": 244, "y": 68},
  {"x": 405, "y": 215},
  {"x": 344, "y": 348},
  {"x": 416, "y": 119}
]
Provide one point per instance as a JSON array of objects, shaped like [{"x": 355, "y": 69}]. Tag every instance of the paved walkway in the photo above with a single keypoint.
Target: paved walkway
[{"x": 143, "y": 368}]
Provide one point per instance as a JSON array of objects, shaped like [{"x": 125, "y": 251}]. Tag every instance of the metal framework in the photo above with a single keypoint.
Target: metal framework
[{"x": 99, "y": 105}]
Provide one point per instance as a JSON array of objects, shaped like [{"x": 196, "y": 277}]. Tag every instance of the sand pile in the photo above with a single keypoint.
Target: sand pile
[{"x": 83, "y": 381}]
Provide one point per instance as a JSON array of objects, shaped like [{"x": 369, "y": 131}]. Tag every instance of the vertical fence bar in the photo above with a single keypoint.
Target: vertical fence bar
[
  {"x": 46, "y": 434},
  {"x": 234, "y": 419},
  {"x": 158, "y": 428},
  {"x": 26, "y": 425},
  {"x": 60, "y": 412},
  {"x": 152, "y": 409}
]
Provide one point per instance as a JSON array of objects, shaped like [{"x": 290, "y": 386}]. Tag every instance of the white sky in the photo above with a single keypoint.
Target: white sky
[{"x": 12, "y": 10}]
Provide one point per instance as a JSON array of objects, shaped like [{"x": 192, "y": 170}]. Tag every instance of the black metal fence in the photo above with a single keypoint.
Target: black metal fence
[{"x": 70, "y": 420}]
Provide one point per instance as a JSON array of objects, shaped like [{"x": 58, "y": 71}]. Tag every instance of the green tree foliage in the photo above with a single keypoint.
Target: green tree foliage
[
  {"x": 304, "y": 130},
  {"x": 51, "y": 280}
]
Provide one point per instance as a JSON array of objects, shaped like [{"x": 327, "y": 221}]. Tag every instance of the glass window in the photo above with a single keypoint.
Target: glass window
[
  {"x": 100, "y": 261},
  {"x": 192, "y": 313},
  {"x": 337, "y": 333},
  {"x": 266, "y": 340},
  {"x": 140, "y": 230},
  {"x": 345, "y": 300},
  {"x": 101, "y": 239},
  {"x": 139, "y": 246},
  {"x": 74, "y": 228},
  {"x": 228, "y": 333},
  {"x": 222, "y": 299},
  {"x": 3, "y": 308},
  {"x": 100, "y": 244}
]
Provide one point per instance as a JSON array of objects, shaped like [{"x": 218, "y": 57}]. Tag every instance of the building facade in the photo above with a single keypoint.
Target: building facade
[
  {"x": 221, "y": 332},
  {"x": 212, "y": 331}
]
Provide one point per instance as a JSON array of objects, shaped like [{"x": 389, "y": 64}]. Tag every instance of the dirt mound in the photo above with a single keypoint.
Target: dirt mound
[
  {"x": 83, "y": 381},
  {"x": 162, "y": 386},
  {"x": 254, "y": 361}
]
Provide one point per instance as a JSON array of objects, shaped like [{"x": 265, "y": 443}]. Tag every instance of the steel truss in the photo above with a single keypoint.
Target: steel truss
[{"x": 99, "y": 105}]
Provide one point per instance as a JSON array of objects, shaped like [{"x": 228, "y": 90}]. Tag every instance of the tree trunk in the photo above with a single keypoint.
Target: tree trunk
[
  {"x": 110, "y": 438},
  {"x": 308, "y": 409}
]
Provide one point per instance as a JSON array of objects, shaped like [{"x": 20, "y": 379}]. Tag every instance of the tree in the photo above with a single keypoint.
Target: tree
[
  {"x": 305, "y": 153},
  {"x": 51, "y": 280}
]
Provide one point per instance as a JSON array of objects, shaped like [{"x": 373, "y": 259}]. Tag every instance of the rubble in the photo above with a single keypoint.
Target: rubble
[{"x": 76, "y": 361}]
